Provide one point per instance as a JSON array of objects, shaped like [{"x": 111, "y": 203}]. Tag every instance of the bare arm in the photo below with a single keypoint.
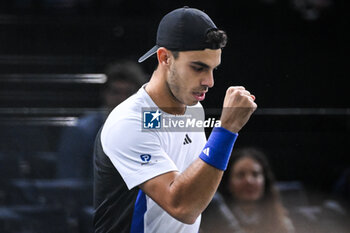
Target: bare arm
[{"x": 185, "y": 195}]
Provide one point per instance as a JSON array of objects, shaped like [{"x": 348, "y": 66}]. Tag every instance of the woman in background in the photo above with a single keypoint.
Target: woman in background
[{"x": 248, "y": 190}]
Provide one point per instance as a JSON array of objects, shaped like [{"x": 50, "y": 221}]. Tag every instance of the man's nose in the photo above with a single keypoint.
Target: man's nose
[{"x": 208, "y": 80}]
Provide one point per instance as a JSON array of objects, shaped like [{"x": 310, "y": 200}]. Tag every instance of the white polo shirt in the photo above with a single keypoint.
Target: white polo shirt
[{"x": 140, "y": 154}]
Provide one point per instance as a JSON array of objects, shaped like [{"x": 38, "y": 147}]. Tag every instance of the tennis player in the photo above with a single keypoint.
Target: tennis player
[{"x": 157, "y": 181}]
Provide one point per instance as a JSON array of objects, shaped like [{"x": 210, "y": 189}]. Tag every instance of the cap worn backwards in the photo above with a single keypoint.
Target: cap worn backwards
[{"x": 183, "y": 29}]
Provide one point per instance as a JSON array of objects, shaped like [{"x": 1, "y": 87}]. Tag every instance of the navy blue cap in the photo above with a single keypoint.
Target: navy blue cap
[{"x": 183, "y": 29}]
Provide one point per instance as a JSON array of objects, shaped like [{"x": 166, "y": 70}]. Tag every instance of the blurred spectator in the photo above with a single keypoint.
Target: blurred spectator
[
  {"x": 75, "y": 150},
  {"x": 249, "y": 192},
  {"x": 311, "y": 9},
  {"x": 308, "y": 9}
]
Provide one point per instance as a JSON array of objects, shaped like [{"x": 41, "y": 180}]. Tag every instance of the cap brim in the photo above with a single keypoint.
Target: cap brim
[{"x": 149, "y": 53}]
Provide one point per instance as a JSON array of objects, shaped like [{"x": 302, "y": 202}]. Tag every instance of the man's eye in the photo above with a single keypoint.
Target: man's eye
[{"x": 198, "y": 69}]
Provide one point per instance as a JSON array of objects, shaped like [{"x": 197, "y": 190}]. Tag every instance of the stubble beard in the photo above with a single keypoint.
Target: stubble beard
[{"x": 172, "y": 84}]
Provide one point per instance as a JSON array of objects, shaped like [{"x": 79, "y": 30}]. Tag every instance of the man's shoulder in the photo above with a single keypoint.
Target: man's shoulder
[
  {"x": 128, "y": 114},
  {"x": 134, "y": 103}
]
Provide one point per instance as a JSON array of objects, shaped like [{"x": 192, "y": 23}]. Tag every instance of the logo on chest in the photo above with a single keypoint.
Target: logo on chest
[{"x": 187, "y": 140}]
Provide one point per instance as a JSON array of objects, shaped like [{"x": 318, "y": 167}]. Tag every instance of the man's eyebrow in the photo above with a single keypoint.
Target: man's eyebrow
[{"x": 199, "y": 63}]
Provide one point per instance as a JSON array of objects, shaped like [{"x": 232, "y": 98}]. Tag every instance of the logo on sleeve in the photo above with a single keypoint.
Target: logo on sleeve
[
  {"x": 206, "y": 151},
  {"x": 146, "y": 159},
  {"x": 152, "y": 119}
]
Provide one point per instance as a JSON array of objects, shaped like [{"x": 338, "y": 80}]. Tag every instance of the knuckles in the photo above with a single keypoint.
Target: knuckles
[
  {"x": 234, "y": 88},
  {"x": 238, "y": 96}
]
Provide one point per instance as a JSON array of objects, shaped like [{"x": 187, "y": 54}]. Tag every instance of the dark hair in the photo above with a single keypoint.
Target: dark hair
[
  {"x": 270, "y": 202},
  {"x": 215, "y": 37}
]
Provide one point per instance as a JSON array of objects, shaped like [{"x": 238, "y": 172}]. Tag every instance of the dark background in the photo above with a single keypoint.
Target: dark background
[
  {"x": 291, "y": 54},
  {"x": 286, "y": 59}
]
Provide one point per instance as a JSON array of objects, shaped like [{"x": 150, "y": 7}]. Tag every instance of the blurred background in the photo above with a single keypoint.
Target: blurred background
[{"x": 53, "y": 59}]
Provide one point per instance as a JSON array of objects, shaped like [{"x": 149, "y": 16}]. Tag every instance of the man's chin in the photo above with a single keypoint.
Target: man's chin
[{"x": 193, "y": 103}]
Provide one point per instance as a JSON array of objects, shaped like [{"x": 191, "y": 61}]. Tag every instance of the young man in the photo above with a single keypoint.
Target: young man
[{"x": 150, "y": 180}]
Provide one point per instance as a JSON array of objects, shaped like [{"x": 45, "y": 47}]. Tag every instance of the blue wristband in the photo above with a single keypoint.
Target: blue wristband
[{"x": 218, "y": 149}]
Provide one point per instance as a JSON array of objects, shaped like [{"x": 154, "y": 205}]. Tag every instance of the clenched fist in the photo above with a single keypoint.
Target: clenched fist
[{"x": 238, "y": 106}]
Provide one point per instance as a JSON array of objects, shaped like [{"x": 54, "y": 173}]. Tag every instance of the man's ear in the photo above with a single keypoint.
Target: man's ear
[{"x": 163, "y": 56}]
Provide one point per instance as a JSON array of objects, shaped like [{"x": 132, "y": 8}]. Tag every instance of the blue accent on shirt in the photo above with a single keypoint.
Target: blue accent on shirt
[{"x": 139, "y": 212}]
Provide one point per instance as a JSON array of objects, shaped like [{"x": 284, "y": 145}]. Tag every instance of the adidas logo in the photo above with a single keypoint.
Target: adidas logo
[
  {"x": 206, "y": 151},
  {"x": 187, "y": 140}
]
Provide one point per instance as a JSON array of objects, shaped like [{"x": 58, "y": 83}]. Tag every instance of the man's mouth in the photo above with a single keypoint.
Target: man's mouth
[{"x": 199, "y": 95}]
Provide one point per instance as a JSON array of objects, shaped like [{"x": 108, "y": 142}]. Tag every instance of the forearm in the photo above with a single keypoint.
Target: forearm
[
  {"x": 192, "y": 190},
  {"x": 185, "y": 195}
]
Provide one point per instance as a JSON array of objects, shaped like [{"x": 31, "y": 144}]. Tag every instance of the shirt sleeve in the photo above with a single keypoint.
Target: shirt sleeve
[{"x": 136, "y": 154}]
